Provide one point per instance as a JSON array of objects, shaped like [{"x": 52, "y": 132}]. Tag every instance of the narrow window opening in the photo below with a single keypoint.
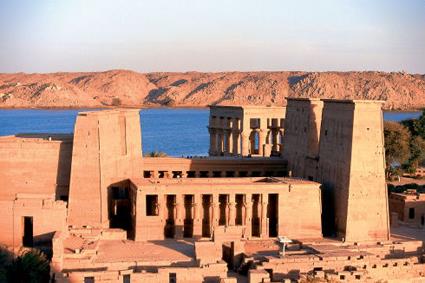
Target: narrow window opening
[
  {"x": 191, "y": 174},
  {"x": 147, "y": 174},
  {"x": 203, "y": 174}
]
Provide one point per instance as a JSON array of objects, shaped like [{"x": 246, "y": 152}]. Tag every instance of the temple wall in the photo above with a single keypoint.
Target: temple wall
[
  {"x": 107, "y": 149},
  {"x": 171, "y": 167},
  {"x": 47, "y": 215},
  {"x": 409, "y": 207},
  {"x": 298, "y": 208},
  {"x": 34, "y": 165},
  {"x": 301, "y": 139},
  {"x": 300, "y": 212},
  {"x": 34, "y": 173},
  {"x": 245, "y": 130},
  {"x": 351, "y": 168},
  {"x": 367, "y": 177},
  {"x": 347, "y": 158},
  {"x": 334, "y": 164}
]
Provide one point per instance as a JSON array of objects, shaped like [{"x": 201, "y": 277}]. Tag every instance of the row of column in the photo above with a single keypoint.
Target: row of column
[
  {"x": 225, "y": 142},
  {"x": 235, "y": 142},
  {"x": 220, "y": 209}
]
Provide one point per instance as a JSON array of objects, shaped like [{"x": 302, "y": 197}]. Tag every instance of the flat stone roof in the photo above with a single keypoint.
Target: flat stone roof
[
  {"x": 37, "y": 137},
  {"x": 409, "y": 196},
  {"x": 223, "y": 181},
  {"x": 103, "y": 112},
  {"x": 247, "y": 106},
  {"x": 353, "y": 101}
]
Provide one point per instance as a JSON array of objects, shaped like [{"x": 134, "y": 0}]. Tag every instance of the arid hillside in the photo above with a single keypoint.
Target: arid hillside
[{"x": 193, "y": 89}]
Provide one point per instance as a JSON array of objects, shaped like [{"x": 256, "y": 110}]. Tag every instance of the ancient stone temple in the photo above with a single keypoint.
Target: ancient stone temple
[
  {"x": 340, "y": 144},
  {"x": 247, "y": 130},
  {"x": 108, "y": 214}
]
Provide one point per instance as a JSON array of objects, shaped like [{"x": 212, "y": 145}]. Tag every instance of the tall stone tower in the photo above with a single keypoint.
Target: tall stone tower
[
  {"x": 351, "y": 167},
  {"x": 302, "y": 132},
  {"x": 106, "y": 149},
  {"x": 340, "y": 144}
]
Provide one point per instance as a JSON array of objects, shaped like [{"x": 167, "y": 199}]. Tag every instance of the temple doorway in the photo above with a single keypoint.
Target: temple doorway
[
  {"x": 120, "y": 208},
  {"x": 273, "y": 215},
  {"x": 28, "y": 236}
]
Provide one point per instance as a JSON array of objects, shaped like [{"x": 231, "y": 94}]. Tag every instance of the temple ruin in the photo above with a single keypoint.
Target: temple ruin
[{"x": 312, "y": 172}]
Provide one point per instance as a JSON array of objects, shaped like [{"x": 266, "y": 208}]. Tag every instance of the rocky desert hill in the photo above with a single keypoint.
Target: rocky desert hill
[{"x": 400, "y": 90}]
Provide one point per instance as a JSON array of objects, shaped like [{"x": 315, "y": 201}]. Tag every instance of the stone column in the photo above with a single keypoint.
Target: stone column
[
  {"x": 197, "y": 215},
  {"x": 179, "y": 216},
  {"x": 274, "y": 133},
  {"x": 213, "y": 141},
  {"x": 231, "y": 221},
  {"x": 263, "y": 216},
  {"x": 248, "y": 215},
  {"x": 236, "y": 142},
  {"x": 262, "y": 135},
  {"x": 245, "y": 144},
  {"x": 215, "y": 212}
]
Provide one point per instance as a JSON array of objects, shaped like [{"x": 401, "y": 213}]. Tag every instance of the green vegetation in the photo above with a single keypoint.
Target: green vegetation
[
  {"x": 29, "y": 266},
  {"x": 155, "y": 154},
  {"x": 404, "y": 145}
]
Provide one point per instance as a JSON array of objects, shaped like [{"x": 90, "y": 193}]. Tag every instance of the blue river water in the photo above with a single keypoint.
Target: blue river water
[{"x": 178, "y": 132}]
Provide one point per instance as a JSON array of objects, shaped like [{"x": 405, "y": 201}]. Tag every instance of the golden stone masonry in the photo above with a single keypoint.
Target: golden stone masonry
[{"x": 286, "y": 194}]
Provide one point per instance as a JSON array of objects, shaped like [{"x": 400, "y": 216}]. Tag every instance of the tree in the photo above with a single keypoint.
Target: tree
[
  {"x": 30, "y": 266},
  {"x": 397, "y": 143},
  {"x": 156, "y": 154},
  {"x": 416, "y": 126},
  {"x": 417, "y": 152}
]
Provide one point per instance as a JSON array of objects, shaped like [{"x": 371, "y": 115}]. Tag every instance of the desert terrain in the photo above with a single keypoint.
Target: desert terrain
[{"x": 400, "y": 90}]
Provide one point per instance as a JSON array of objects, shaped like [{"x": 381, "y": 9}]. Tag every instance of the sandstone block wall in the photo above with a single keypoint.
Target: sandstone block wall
[
  {"x": 34, "y": 164},
  {"x": 48, "y": 216},
  {"x": 348, "y": 159},
  {"x": 107, "y": 149}
]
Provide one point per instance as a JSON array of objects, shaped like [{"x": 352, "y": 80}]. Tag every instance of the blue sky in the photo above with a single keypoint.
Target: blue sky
[{"x": 219, "y": 35}]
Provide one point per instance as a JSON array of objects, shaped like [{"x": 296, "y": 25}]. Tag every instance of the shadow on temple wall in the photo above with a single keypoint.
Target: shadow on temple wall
[
  {"x": 209, "y": 279},
  {"x": 63, "y": 174}
]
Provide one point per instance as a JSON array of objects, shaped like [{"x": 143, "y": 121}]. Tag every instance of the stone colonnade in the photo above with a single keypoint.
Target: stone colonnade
[
  {"x": 226, "y": 137},
  {"x": 197, "y": 215}
]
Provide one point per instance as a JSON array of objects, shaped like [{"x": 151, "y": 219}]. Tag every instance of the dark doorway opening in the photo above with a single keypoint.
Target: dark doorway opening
[
  {"x": 328, "y": 211},
  {"x": 120, "y": 208},
  {"x": 188, "y": 220},
  {"x": 28, "y": 236},
  {"x": 273, "y": 214},
  {"x": 206, "y": 215},
  {"x": 255, "y": 215},
  {"x": 170, "y": 228}
]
